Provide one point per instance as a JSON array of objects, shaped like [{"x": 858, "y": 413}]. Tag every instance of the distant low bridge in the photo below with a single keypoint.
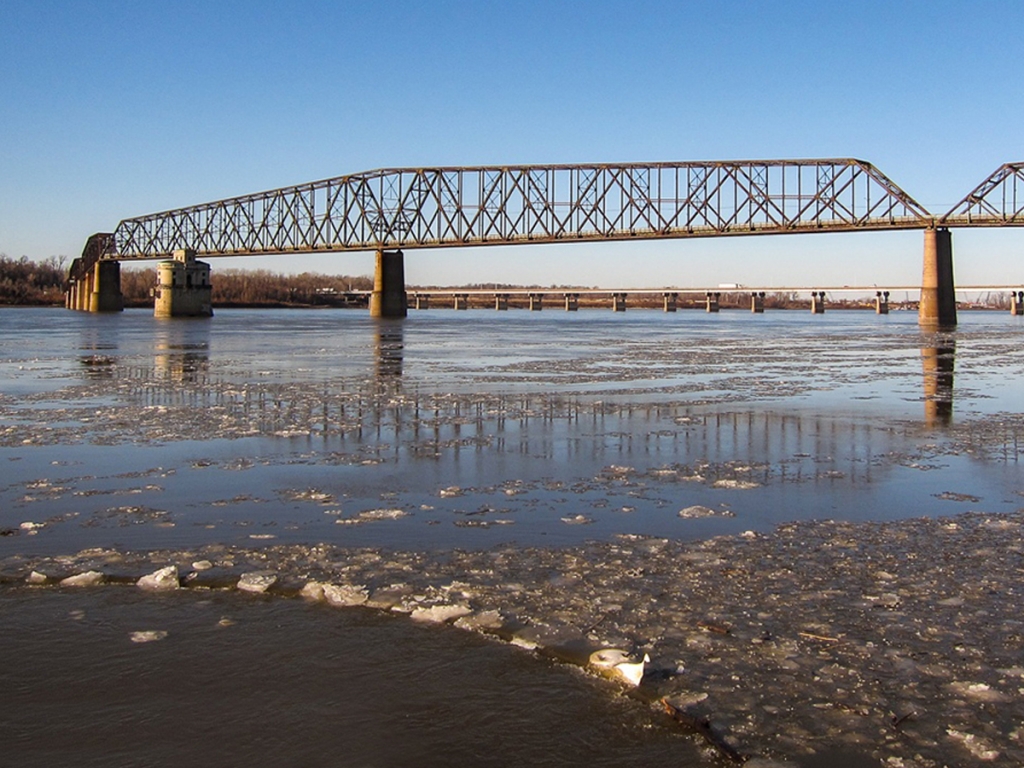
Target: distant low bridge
[{"x": 391, "y": 210}]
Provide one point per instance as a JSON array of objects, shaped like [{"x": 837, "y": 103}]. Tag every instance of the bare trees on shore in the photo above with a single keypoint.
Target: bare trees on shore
[{"x": 26, "y": 282}]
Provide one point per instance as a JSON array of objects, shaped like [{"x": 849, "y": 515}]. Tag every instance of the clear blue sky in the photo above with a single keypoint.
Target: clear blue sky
[{"x": 114, "y": 109}]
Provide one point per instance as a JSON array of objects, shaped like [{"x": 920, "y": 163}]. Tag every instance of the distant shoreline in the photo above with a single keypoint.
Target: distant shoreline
[{"x": 800, "y": 307}]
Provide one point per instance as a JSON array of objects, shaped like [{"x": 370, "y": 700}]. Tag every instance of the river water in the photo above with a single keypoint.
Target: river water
[{"x": 412, "y": 451}]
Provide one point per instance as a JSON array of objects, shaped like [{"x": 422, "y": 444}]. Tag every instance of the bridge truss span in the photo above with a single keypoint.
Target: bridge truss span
[
  {"x": 503, "y": 205},
  {"x": 997, "y": 202}
]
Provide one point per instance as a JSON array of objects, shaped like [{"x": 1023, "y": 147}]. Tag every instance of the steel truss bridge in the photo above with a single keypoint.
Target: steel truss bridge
[{"x": 406, "y": 208}]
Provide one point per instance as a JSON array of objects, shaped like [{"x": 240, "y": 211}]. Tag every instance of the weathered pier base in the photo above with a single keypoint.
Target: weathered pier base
[
  {"x": 817, "y": 302},
  {"x": 881, "y": 302},
  {"x": 938, "y": 292},
  {"x": 183, "y": 287},
  {"x": 536, "y": 302},
  {"x": 99, "y": 290},
  {"x": 671, "y": 301},
  {"x": 84, "y": 292},
  {"x": 421, "y": 300},
  {"x": 501, "y": 302},
  {"x": 1017, "y": 302},
  {"x": 711, "y": 304},
  {"x": 460, "y": 301},
  {"x": 572, "y": 302},
  {"x": 618, "y": 302},
  {"x": 106, "y": 289},
  {"x": 76, "y": 290},
  {"x": 388, "y": 298},
  {"x": 757, "y": 302}
]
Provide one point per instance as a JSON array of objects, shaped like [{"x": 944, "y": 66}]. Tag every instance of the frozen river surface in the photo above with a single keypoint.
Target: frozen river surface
[
  {"x": 260, "y": 435},
  {"x": 474, "y": 429}
]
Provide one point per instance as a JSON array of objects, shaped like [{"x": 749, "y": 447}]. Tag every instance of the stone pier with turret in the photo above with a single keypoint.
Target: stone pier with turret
[{"x": 183, "y": 287}]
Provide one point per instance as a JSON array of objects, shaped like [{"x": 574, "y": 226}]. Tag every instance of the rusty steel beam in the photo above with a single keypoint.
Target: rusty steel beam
[
  {"x": 98, "y": 246},
  {"x": 503, "y": 205},
  {"x": 997, "y": 202}
]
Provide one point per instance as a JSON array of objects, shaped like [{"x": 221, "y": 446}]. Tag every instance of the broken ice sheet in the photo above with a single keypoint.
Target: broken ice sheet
[{"x": 372, "y": 515}]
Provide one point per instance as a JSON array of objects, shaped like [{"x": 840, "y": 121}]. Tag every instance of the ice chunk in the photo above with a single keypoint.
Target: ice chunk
[
  {"x": 345, "y": 595},
  {"x": 87, "y": 579},
  {"x": 161, "y": 580},
  {"x": 438, "y": 614},
  {"x": 257, "y": 583},
  {"x": 148, "y": 635}
]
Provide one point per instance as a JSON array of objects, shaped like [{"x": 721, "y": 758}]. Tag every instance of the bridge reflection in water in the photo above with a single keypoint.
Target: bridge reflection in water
[
  {"x": 938, "y": 362},
  {"x": 181, "y": 355},
  {"x": 182, "y": 352},
  {"x": 388, "y": 348}
]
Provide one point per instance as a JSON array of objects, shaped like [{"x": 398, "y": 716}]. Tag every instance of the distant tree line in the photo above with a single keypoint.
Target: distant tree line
[
  {"x": 30, "y": 283},
  {"x": 26, "y": 282},
  {"x": 248, "y": 288}
]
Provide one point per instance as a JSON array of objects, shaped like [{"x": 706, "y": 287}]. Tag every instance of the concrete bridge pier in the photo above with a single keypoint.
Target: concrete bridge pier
[
  {"x": 938, "y": 292},
  {"x": 84, "y": 292},
  {"x": 388, "y": 298},
  {"x": 881, "y": 302},
  {"x": 711, "y": 304},
  {"x": 1017, "y": 302},
  {"x": 618, "y": 302},
  {"x": 183, "y": 287},
  {"x": 757, "y": 302},
  {"x": 461, "y": 301},
  {"x": 78, "y": 294},
  {"x": 572, "y": 302},
  {"x": 817, "y": 302},
  {"x": 671, "y": 299},
  {"x": 536, "y": 302},
  {"x": 501, "y": 302},
  {"x": 106, "y": 287},
  {"x": 422, "y": 300}
]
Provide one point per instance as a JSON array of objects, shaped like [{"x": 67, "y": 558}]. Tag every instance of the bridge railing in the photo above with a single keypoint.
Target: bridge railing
[{"x": 439, "y": 207}]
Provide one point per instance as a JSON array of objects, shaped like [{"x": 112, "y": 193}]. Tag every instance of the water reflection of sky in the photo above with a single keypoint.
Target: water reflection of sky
[{"x": 483, "y": 427}]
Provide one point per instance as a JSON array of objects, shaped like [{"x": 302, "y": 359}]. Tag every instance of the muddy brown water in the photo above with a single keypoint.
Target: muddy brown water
[{"x": 286, "y": 684}]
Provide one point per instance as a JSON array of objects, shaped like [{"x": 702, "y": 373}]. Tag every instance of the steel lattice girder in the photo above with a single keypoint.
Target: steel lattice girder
[
  {"x": 998, "y": 201},
  {"x": 444, "y": 207},
  {"x": 98, "y": 246}
]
